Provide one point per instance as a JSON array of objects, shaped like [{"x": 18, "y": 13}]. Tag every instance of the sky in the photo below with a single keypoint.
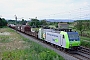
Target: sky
[{"x": 45, "y": 9}]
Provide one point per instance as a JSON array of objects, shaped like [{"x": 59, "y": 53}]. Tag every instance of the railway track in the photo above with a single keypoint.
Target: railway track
[
  {"x": 80, "y": 57},
  {"x": 82, "y": 54},
  {"x": 84, "y": 50}
]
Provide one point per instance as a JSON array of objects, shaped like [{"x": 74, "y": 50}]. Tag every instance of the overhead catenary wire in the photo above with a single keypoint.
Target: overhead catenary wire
[{"x": 79, "y": 12}]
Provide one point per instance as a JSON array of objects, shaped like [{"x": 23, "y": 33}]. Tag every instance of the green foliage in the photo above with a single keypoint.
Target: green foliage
[
  {"x": 79, "y": 26},
  {"x": 23, "y": 22},
  {"x": 69, "y": 22},
  {"x": 4, "y": 39},
  {"x": 56, "y": 25},
  {"x": 34, "y": 23},
  {"x": 3, "y": 22},
  {"x": 29, "y": 54},
  {"x": 43, "y": 22},
  {"x": 85, "y": 38},
  {"x": 35, "y": 52},
  {"x": 82, "y": 25},
  {"x": 11, "y": 21},
  {"x": 13, "y": 55},
  {"x": 38, "y": 23},
  {"x": 86, "y": 44},
  {"x": 85, "y": 41},
  {"x": 53, "y": 24}
]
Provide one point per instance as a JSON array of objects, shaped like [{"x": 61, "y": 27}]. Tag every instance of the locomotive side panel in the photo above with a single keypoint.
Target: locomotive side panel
[{"x": 54, "y": 38}]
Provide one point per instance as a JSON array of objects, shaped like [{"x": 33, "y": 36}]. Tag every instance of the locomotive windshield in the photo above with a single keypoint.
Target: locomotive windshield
[{"x": 73, "y": 36}]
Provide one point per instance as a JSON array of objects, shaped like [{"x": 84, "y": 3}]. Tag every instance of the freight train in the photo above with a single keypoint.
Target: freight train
[{"x": 64, "y": 38}]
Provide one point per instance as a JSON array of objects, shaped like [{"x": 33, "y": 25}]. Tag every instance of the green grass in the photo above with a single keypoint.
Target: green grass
[
  {"x": 86, "y": 44},
  {"x": 29, "y": 54},
  {"x": 6, "y": 29},
  {"x": 10, "y": 30},
  {"x": 29, "y": 51},
  {"x": 4, "y": 39},
  {"x": 35, "y": 29},
  {"x": 34, "y": 52},
  {"x": 84, "y": 38},
  {"x": 71, "y": 26},
  {"x": 52, "y": 26},
  {"x": 85, "y": 41}
]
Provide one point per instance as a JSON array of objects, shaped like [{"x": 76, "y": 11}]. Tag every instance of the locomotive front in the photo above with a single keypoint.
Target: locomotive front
[
  {"x": 74, "y": 40},
  {"x": 71, "y": 39}
]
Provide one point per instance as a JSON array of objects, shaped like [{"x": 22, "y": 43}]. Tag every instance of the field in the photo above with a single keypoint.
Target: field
[
  {"x": 52, "y": 26},
  {"x": 35, "y": 29},
  {"x": 15, "y": 47}
]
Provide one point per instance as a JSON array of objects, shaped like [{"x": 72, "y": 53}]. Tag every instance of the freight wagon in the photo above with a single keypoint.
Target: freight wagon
[{"x": 25, "y": 28}]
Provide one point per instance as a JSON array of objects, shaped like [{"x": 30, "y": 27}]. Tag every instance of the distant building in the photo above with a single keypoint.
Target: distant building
[{"x": 63, "y": 25}]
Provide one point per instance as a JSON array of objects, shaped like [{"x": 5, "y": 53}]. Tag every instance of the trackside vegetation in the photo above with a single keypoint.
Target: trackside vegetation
[
  {"x": 85, "y": 41},
  {"x": 20, "y": 48},
  {"x": 3, "y": 22}
]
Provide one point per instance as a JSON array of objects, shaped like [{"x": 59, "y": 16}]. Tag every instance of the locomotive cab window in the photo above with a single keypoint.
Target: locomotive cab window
[
  {"x": 63, "y": 36},
  {"x": 73, "y": 36}
]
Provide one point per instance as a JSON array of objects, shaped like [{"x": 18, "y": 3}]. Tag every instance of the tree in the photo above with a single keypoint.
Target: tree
[
  {"x": 23, "y": 22},
  {"x": 87, "y": 23},
  {"x": 43, "y": 22},
  {"x": 3, "y": 22},
  {"x": 11, "y": 21},
  {"x": 79, "y": 26},
  {"x": 34, "y": 23},
  {"x": 56, "y": 25},
  {"x": 82, "y": 25}
]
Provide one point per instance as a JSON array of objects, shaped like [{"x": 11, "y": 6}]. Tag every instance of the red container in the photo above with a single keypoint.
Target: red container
[{"x": 25, "y": 28}]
